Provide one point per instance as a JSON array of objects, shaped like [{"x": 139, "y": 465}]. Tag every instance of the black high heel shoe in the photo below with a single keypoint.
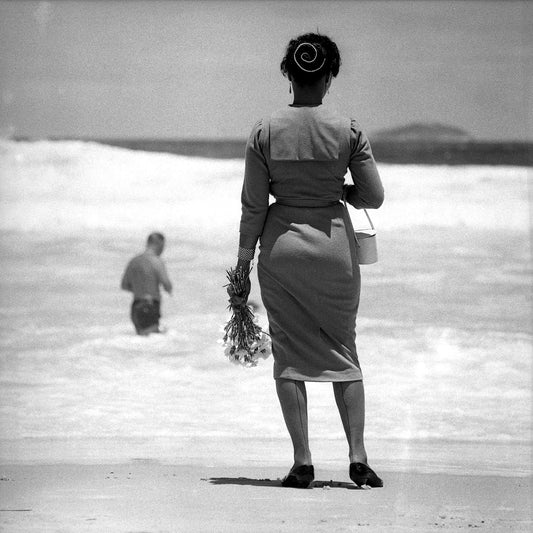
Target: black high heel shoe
[
  {"x": 299, "y": 477},
  {"x": 362, "y": 474}
]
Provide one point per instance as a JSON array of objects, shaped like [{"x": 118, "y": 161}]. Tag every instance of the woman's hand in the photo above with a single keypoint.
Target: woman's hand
[
  {"x": 239, "y": 300},
  {"x": 239, "y": 296}
]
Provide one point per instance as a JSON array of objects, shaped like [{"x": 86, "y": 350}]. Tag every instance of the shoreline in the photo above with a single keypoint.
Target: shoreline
[{"x": 479, "y": 458}]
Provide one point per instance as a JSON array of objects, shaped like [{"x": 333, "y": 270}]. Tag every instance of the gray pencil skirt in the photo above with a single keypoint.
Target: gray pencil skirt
[{"x": 310, "y": 284}]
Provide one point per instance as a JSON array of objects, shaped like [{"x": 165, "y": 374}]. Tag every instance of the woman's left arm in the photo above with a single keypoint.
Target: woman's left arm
[{"x": 367, "y": 191}]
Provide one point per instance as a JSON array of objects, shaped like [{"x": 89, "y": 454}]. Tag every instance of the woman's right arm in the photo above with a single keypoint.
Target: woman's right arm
[
  {"x": 254, "y": 196},
  {"x": 125, "y": 282},
  {"x": 254, "y": 201},
  {"x": 367, "y": 191}
]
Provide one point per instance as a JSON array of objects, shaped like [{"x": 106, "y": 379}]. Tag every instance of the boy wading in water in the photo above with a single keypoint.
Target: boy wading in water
[{"x": 143, "y": 277}]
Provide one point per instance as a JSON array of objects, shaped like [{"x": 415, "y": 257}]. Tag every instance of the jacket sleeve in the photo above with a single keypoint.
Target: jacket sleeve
[
  {"x": 125, "y": 283},
  {"x": 367, "y": 191},
  {"x": 255, "y": 189}
]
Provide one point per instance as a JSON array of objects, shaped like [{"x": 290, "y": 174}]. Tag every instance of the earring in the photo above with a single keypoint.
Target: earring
[{"x": 290, "y": 88}]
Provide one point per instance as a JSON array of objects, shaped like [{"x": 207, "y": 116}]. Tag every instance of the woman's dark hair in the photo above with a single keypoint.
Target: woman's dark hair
[{"x": 309, "y": 57}]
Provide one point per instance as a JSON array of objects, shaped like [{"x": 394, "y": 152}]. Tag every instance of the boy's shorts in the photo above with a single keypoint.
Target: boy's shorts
[{"x": 145, "y": 314}]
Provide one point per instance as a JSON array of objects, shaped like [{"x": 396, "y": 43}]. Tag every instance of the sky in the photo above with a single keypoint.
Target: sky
[{"x": 208, "y": 69}]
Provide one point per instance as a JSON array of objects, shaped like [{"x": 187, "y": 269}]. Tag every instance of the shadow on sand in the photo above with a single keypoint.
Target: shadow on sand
[{"x": 277, "y": 483}]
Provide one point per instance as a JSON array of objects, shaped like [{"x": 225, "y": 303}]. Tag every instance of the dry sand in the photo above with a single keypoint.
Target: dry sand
[{"x": 154, "y": 497}]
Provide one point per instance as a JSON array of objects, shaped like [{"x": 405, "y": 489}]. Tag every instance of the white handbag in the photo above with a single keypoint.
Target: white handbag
[
  {"x": 366, "y": 242},
  {"x": 367, "y": 251}
]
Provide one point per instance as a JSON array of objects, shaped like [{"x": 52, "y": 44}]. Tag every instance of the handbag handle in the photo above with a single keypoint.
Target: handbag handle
[
  {"x": 366, "y": 213},
  {"x": 369, "y": 219}
]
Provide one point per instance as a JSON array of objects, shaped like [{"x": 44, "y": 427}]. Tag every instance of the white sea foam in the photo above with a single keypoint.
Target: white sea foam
[
  {"x": 71, "y": 186},
  {"x": 66, "y": 187}
]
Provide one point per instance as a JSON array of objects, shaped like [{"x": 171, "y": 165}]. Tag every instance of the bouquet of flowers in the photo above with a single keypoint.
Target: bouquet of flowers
[{"x": 244, "y": 341}]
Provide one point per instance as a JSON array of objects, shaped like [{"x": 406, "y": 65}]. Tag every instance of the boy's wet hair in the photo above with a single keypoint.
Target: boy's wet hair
[{"x": 155, "y": 238}]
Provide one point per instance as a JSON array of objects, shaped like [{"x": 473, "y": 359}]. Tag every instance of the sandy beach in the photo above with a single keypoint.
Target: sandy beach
[{"x": 155, "y": 497}]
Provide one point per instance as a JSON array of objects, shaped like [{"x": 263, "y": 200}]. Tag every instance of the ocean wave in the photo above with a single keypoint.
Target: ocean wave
[{"x": 70, "y": 186}]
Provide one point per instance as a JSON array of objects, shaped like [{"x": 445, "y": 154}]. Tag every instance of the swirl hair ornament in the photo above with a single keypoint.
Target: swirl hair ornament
[{"x": 306, "y": 56}]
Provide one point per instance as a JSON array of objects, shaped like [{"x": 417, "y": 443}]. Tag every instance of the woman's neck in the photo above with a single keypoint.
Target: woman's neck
[
  {"x": 308, "y": 95},
  {"x": 301, "y": 103},
  {"x": 306, "y": 101}
]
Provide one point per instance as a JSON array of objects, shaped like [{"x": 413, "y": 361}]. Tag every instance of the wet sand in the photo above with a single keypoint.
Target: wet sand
[{"x": 149, "y": 496}]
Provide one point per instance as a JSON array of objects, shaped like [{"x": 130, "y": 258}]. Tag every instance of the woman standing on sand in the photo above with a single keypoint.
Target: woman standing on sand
[{"x": 308, "y": 268}]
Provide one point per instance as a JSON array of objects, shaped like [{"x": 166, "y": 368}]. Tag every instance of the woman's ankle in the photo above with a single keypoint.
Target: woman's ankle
[
  {"x": 358, "y": 456},
  {"x": 300, "y": 460}
]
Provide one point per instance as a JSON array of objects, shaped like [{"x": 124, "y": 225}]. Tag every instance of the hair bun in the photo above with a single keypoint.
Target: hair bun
[{"x": 309, "y": 57}]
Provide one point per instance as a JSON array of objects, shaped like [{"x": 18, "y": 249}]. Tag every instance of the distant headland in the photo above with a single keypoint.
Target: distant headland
[
  {"x": 423, "y": 132},
  {"x": 434, "y": 143}
]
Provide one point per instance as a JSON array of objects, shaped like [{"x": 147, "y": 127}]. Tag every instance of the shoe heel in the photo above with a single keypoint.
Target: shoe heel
[
  {"x": 360, "y": 481},
  {"x": 362, "y": 474},
  {"x": 299, "y": 478}
]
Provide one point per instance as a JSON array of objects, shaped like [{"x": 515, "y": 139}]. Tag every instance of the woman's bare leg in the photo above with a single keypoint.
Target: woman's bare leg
[
  {"x": 350, "y": 398},
  {"x": 293, "y": 400}
]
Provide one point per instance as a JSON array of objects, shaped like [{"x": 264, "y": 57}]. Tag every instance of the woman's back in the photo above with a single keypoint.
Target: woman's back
[
  {"x": 307, "y": 153},
  {"x": 308, "y": 150}
]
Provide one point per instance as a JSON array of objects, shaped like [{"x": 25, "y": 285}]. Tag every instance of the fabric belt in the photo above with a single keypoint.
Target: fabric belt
[{"x": 301, "y": 202}]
